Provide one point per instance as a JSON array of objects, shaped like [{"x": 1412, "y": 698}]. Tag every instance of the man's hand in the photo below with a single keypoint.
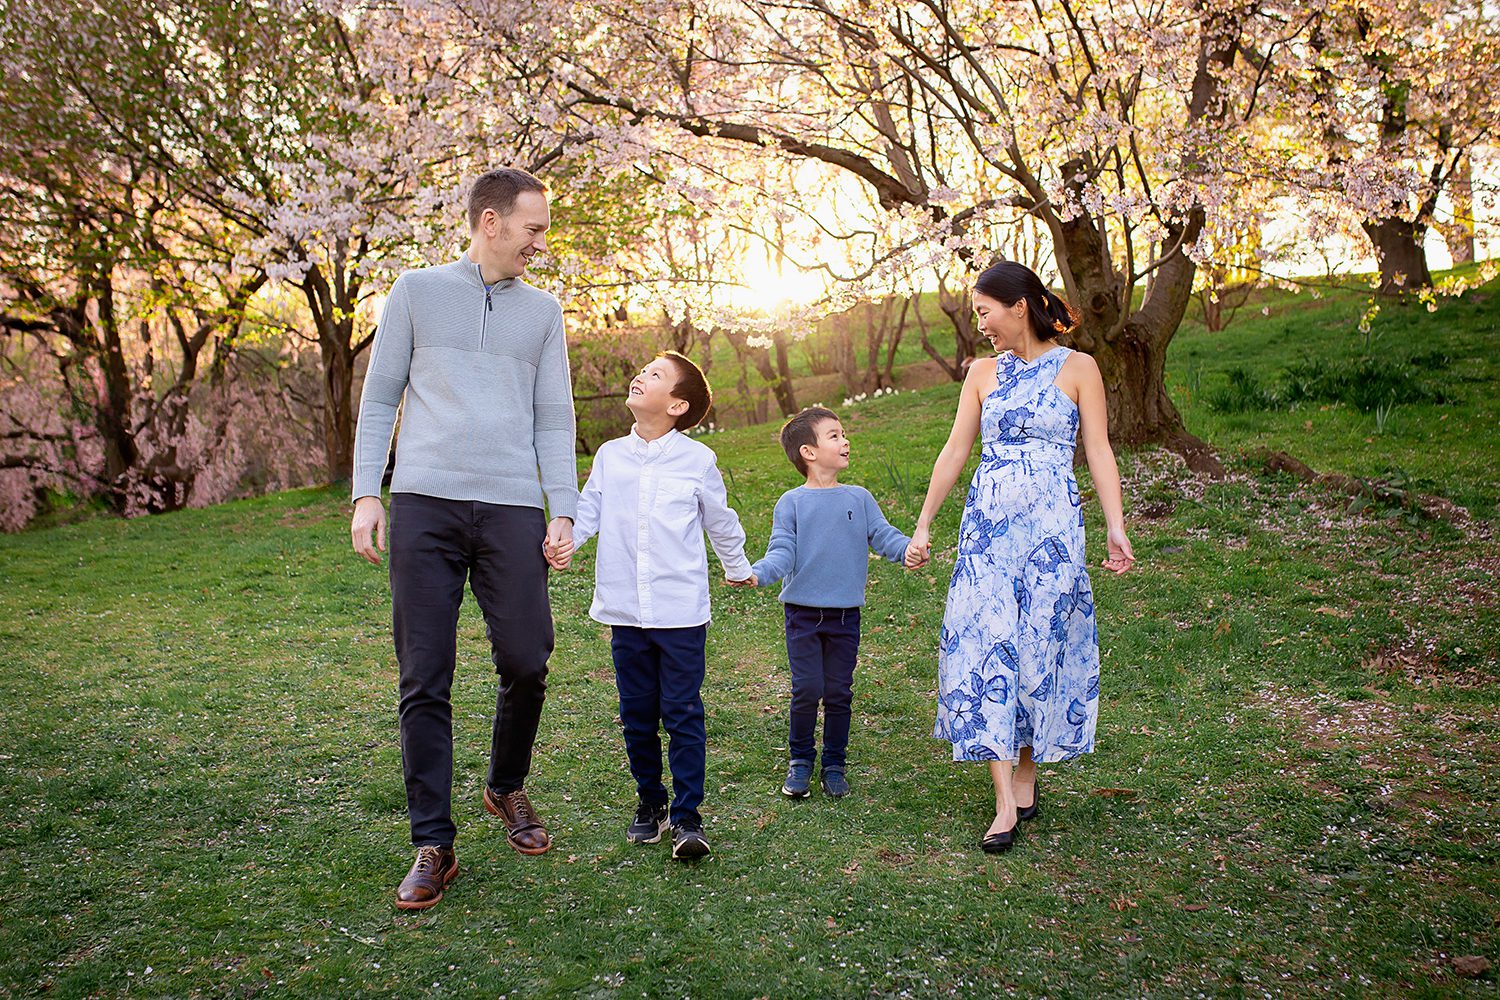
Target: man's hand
[
  {"x": 749, "y": 581},
  {"x": 369, "y": 518},
  {"x": 558, "y": 545}
]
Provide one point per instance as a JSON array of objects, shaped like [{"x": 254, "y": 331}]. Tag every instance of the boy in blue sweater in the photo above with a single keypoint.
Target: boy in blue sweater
[{"x": 820, "y": 534}]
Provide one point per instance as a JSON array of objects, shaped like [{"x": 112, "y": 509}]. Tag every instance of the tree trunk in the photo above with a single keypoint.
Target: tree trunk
[
  {"x": 338, "y": 412},
  {"x": 894, "y": 341},
  {"x": 113, "y": 413},
  {"x": 781, "y": 383},
  {"x": 1131, "y": 350},
  {"x": 955, "y": 372},
  {"x": 332, "y": 306},
  {"x": 875, "y": 329},
  {"x": 882, "y": 328},
  {"x": 965, "y": 334},
  {"x": 1133, "y": 366},
  {"x": 1398, "y": 248},
  {"x": 1460, "y": 233}
]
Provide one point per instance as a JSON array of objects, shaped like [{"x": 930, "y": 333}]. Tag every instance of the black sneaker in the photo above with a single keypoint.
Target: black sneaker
[
  {"x": 835, "y": 785},
  {"x": 650, "y": 821},
  {"x": 688, "y": 842}
]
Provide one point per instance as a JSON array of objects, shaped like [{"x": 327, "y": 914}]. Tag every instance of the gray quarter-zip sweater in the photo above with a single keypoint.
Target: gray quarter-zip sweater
[{"x": 488, "y": 411}]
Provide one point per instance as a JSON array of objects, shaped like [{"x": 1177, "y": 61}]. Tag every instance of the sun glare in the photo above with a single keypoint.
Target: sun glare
[{"x": 762, "y": 285}]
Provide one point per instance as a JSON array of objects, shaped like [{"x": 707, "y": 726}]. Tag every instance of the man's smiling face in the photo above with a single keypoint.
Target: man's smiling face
[{"x": 521, "y": 235}]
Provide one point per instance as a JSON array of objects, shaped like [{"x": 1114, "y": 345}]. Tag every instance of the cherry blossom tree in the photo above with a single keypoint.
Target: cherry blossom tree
[
  {"x": 1396, "y": 94},
  {"x": 122, "y": 303},
  {"x": 1122, "y": 129},
  {"x": 100, "y": 261}
]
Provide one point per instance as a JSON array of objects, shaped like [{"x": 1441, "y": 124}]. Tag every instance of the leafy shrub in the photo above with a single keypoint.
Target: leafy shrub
[
  {"x": 1243, "y": 393},
  {"x": 1367, "y": 383}
]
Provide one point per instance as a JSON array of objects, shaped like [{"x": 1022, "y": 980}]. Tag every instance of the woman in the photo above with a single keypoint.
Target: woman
[{"x": 1019, "y": 654}]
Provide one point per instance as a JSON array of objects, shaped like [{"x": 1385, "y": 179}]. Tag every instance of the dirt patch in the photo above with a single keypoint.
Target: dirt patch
[
  {"x": 1359, "y": 490},
  {"x": 301, "y": 517},
  {"x": 893, "y": 858},
  {"x": 1422, "y": 667},
  {"x": 1411, "y": 770}
]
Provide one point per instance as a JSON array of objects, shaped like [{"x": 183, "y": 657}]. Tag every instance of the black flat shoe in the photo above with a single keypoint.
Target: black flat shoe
[
  {"x": 999, "y": 843},
  {"x": 1030, "y": 811}
]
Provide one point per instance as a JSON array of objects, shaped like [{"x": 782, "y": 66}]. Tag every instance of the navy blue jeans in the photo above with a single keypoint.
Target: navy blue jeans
[
  {"x": 436, "y": 546},
  {"x": 659, "y": 672},
  {"x": 822, "y": 645}
]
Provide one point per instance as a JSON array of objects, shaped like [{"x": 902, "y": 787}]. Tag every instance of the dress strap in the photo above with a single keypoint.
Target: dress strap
[{"x": 1057, "y": 356}]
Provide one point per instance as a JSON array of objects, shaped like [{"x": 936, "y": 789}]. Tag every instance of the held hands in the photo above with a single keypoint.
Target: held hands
[
  {"x": 369, "y": 519},
  {"x": 919, "y": 551},
  {"x": 1120, "y": 557},
  {"x": 749, "y": 581},
  {"x": 557, "y": 547}
]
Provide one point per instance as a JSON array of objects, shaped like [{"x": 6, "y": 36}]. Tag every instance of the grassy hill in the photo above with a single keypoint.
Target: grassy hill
[{"x": 1292, "y": 794}]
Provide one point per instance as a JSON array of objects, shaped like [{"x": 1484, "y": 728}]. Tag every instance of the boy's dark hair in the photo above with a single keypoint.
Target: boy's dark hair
[
  {"x": 692, "y": 386},
  {"x": 498, "y": 190},
  {"x": 803, "y": 429}
]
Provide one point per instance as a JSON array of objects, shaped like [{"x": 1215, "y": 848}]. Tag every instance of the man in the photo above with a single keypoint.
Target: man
[{"x": 486, "y": 435}]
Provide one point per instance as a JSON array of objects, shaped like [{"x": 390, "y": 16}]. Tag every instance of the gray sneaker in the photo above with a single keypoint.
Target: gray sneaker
[
  {"x": 798, "y": 778},
  {"x": 650, "y": 821},
  {"x": 834, "y": 784}
]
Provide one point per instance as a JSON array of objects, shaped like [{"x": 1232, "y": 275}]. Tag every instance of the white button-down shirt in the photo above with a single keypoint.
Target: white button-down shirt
[{"x": 650, "y": 503}]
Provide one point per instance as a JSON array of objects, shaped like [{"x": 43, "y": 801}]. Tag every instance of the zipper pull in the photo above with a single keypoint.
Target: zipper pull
[{"x": 488, "y": 305}]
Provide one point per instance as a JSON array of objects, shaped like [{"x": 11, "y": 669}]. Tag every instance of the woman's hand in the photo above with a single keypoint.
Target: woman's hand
[
  {"x": 920, "y": 549},
  {"x": 1120, "y": 557}
]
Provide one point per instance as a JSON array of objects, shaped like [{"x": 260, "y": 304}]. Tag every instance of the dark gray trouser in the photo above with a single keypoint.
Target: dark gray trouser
[{"x": 436, "y": 545}]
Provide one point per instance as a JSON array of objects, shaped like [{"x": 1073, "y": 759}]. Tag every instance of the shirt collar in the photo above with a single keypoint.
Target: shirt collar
[
  {"x": 642, "y": 448},
  {"x": 475, "y": 274}
]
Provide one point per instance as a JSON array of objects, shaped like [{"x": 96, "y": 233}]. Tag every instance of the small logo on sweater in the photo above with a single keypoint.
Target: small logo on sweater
[{"x": 851, "y": 515}]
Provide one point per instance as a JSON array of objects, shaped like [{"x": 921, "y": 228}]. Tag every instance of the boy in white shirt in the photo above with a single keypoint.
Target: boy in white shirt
[{"x": 650, "y": 497}]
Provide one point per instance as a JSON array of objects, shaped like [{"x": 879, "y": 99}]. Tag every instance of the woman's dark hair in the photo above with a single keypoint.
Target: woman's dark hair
[{"x": 1007, "y": 282}]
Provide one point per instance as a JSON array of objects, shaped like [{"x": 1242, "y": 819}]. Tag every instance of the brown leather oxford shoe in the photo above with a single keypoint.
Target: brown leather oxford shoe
[
  {"x": 423, "y": 886},
  {"x": 523, "y": 828}
]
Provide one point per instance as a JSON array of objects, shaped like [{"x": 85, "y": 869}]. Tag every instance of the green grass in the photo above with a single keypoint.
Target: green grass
[
  {"x": 1292, "y": 794},
  {"x": 1452, "y": 449}
]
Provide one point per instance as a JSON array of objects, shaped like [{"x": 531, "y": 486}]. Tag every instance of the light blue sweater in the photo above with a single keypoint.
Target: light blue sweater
[
  {"x": 488, "y": 404},
  {"x": 819, "y": 541}
]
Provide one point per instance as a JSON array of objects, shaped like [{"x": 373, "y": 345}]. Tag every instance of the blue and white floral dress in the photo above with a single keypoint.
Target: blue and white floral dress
[{"x": 1018, "y": 663}]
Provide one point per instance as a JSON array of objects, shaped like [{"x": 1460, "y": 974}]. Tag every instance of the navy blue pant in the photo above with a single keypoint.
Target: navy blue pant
[
  {"x": 822, "y": 645},
  {"x": 659, "y": 672},
  {"x": 436, "y": 546}
]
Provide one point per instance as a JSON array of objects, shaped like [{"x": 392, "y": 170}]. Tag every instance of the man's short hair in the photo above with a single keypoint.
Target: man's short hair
[
  {"x": 692, "y": 387},
  {"x": 803, "y": 429},
  {"x": 498, "y": 190}
]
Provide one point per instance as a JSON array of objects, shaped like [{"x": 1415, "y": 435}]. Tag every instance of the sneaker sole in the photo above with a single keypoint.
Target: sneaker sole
[
  {"x": 690, "y": 852},
  {"x": 795, "y": 795},
  {"x": 656, "y": 839}
]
